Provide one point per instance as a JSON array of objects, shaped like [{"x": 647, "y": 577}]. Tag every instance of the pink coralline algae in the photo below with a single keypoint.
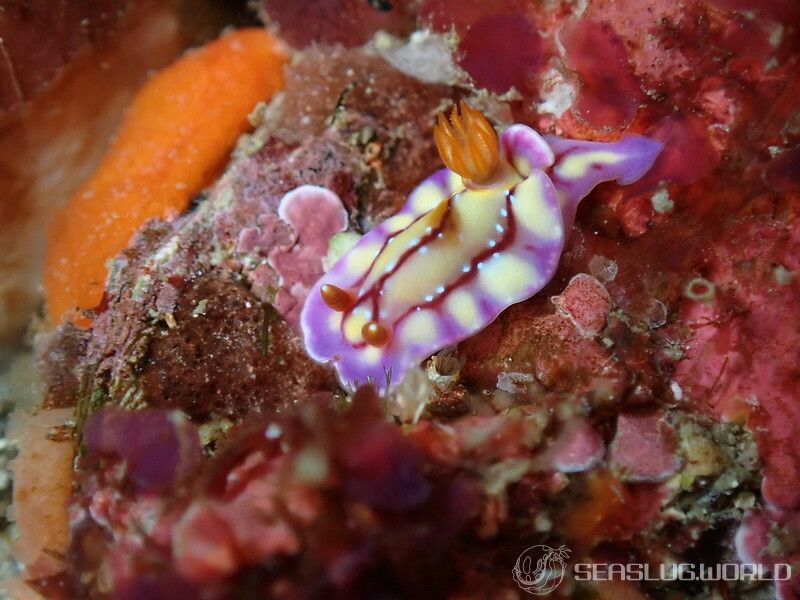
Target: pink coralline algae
[
  {"x": 214, "y": 537},
  {"x": 442, "y": 17},
  {"x": 347, "y": 22},
  {"x": 752, "y": 547},
  {"x": 678, "y": 132},
  {"x": 586, "y": 303},
  {"x": 643, "y": 448},
  {"x": 314, "y": 215},
  {"x": 329, "y": 503},
  {"x": 755, "y": 313},
  {"x": 502, "y": 51},
  {"x": 500, "y": 47},
  {"x": 609, "y": 91},
  {"x": 160, "y": 449},
  {"x": 296, "y": 242},
  {"x": 781, "y": 10},
  {"x": 577, "y": 448}
]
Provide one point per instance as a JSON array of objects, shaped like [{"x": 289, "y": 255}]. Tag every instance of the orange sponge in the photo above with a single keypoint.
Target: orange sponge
[{"x": 176, "y": 137}]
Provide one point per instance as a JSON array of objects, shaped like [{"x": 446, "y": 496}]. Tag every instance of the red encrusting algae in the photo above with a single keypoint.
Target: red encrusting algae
[{"x": 609, "y": 92}]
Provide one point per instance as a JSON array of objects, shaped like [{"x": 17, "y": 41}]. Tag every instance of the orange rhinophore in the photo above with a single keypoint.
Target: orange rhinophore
[
  {"x": 338, "y": 299},
  {"x": 468, "y": 144},
  {"x": 175, "y": 138},
  {"x": 375, "y": 334}
]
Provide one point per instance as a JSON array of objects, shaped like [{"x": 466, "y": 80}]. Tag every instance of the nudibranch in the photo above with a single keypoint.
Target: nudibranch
[{"x": 483, "y": 233}]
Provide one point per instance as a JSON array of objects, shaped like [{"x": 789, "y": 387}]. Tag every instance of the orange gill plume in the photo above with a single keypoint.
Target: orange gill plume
[{"x": 468, "y": 144}]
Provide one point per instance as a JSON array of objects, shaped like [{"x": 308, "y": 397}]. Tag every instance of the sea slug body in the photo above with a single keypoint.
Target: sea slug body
[{"x": 473, "y": 238}]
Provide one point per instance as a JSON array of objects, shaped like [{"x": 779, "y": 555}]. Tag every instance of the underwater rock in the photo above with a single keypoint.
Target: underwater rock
[
  {"x": 643, "y": 448},
  {"x": 160, "y": 449},
  {"x": 565, "y": 419},
  {"x": 609, "y": 93},
  {"x": 315, "y": 215},
  {"x": 577, "y": 448},
  {"x": 585, "y": 302},
  {"x": 502, "y": 51},
  {"x": 346, "y": 22}
]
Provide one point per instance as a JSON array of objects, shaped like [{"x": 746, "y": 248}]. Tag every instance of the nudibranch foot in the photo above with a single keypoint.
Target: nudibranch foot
[{"x": 470, "y": 240}]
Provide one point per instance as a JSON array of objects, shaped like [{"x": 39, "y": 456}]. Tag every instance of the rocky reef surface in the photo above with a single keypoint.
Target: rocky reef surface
[{"x": 641, "y": 408}]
